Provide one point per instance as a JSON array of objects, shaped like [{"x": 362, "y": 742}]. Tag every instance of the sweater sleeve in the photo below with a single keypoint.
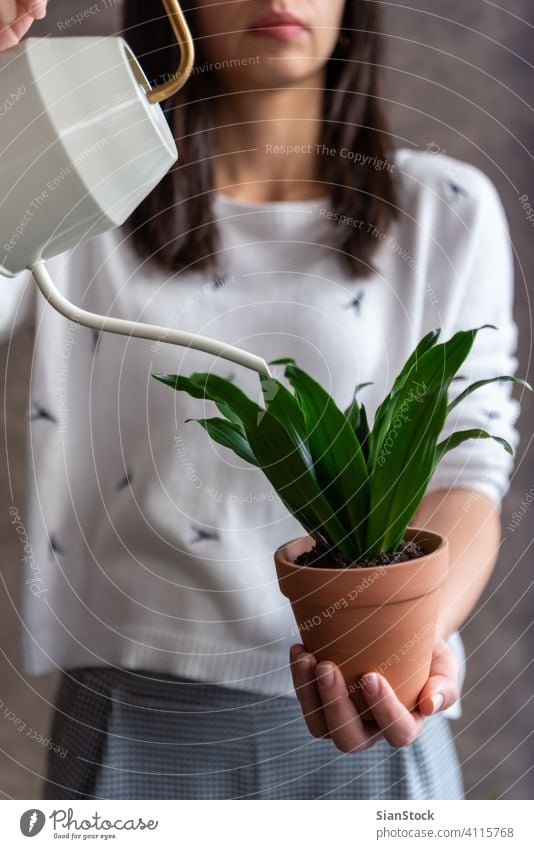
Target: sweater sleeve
[
  {"x": 17, "y": 302},
  {"x": 486, "y": 298}
]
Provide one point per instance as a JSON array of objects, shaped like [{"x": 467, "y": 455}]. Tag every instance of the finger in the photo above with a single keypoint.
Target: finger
[
  {"x": 11, "y": 35},
  {"x": 13, "y": 25},
  {"x": 8, "y": 13},
  {"x": 7, "y": 39},
  {"x": 35, "y": 8},
  {"x": 442, "y": 689},
  {"x": 303, "y": 671},
  {"x": 398, "y": 725},
  {"x": 347, "y": 730}
]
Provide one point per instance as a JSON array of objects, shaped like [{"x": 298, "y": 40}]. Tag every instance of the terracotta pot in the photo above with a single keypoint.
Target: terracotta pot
[{"x": 381, "y": 618}]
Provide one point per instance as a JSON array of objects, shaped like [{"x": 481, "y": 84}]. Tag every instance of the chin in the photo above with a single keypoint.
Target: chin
[{"x": 279, "y": 71}]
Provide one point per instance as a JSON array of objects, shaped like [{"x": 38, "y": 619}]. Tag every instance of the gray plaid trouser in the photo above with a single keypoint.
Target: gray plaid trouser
[{"x": 136, "y": 735}]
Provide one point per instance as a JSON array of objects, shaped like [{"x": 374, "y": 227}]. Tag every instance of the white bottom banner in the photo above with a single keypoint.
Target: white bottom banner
[{"x": 258, "y": 824}]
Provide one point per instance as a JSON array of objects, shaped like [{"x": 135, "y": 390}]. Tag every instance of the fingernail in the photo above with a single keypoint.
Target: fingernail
[
  {"x": 304, "y": 665},
  {"x": 437, "y": 702},
  {"x": 371, "y": 683},
  {"x": 326, "y": 677}
]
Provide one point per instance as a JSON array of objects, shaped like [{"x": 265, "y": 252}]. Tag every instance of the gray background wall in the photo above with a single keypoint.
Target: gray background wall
[{"x": 460, "y": 79}]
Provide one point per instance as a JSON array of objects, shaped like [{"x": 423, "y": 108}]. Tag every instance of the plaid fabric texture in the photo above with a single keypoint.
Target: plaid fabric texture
[{"x": 137, "y": 735}]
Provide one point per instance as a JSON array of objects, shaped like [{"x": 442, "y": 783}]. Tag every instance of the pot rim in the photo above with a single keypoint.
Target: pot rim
[{"x": 411, "y": 532}]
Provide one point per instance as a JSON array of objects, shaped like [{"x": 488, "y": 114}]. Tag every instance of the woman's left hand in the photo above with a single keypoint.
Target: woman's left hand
[{"x": 329, "y": 711}]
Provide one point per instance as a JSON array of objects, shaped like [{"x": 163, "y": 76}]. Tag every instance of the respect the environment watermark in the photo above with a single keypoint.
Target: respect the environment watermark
[{"x": 43, "y": 198}]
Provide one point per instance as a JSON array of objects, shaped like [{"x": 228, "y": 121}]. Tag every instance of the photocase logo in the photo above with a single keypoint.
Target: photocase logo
[{"x": 32, "y": 822}]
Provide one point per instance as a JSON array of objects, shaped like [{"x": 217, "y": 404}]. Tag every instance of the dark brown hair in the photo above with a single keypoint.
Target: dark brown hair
[{"x": 174, "y": 224}]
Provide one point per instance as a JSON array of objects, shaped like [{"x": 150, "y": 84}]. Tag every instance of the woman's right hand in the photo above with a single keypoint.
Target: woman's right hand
[
  {"x": 16, "y": 17},
  {"x": 329, "y": 711}
]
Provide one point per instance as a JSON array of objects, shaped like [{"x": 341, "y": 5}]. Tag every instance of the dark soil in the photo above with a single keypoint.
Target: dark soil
[{"x": 322, "y": 557}]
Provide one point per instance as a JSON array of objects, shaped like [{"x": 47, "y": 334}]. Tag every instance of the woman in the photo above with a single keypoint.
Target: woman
[{"x": 291, "y": 227}]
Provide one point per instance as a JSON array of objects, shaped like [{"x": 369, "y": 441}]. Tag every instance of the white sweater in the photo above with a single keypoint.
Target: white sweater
[{"x": 147, "y": 545}]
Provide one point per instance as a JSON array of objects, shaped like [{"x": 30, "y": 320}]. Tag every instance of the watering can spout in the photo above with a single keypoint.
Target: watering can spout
[{"x": 140, "y": 330}]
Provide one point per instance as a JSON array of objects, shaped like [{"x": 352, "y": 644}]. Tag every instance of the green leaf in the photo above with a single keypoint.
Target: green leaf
[
  {"x": 276, "y": 452},
  {"x": 357, "y": 417},
  {"x": 436, "y": 366},
  {"x": 283, "y": 405},
  {"x": 480, "y": 383},
  {"x": 231, "y": 401},
  {"x": 462, "y": 436},
  {"x": 339, "y": 464},
  {"x": 181, "y": 384},
  {"x": 421, "y": 348},
  {"x": 230, "y": 435},
  {"x": 439, "y": 365},
  {"x": 282, "y": 463},
  {"x": 352, "y": 412},
  {"x": 228, "y": 413},
  {"x": 426, "y": 343},
  {"x": 400, "y": 477},
  {"x": 283, "y": 361},
  {"x": 361, "y": 429},
  {"x": 404, "y": 465},
  {"x": 285, "y": 408}
]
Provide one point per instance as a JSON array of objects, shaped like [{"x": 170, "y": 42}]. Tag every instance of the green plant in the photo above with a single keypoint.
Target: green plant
[{"x": 352, "y": 487}]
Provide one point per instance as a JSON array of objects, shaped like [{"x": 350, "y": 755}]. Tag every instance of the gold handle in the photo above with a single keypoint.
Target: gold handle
[{"x": 184, "y": 39}]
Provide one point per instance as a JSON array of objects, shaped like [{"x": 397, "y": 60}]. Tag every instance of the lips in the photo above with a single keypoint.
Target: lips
[{"x": 278, "y": 25}]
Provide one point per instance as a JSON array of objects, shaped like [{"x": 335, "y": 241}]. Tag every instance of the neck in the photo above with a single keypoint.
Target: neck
[{"x": 265, "y": 143}]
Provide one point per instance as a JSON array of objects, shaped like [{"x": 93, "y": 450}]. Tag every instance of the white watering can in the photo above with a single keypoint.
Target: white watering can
[{"x": 83, "y": 140}]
